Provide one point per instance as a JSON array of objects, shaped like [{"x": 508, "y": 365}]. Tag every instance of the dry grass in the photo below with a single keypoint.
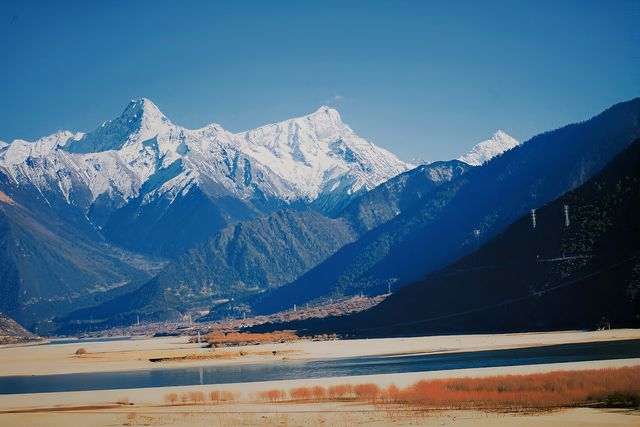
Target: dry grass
[
  {"x": 606, "y": 387},
  {"x": 615, "y": 387},
  {"x": 244, "y": 338}
]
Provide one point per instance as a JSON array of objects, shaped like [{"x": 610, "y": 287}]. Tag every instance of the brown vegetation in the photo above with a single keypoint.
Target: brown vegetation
[
  {"x": 196, "y": 396},
  {"x": 318, "y": 392},
  {"x": 611, "y": 387},
  {"x": 273, "y": 395},
  {"x": 243, "y": 338},
  {"x": 393, "y": 392},
  {"x": 615, "y": 387},
  {"x": 300, "y": 393},
  {"x": 606, "y": 387},
  {"x": 171, "y": 398},
  {"x": 81, "y": 351},
  {"x": 338, "y": 392},
  {"x": 213, "y": 355},
  {"x": 368, "y": 392}
]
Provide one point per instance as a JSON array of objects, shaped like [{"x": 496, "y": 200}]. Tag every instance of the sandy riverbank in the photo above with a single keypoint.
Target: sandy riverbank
[
  {"x": 136, "y": 354},
  {"x": 147, "y": 406},
  {"x": 307, "y": 415},
  {"x": 245, "y": 391}
]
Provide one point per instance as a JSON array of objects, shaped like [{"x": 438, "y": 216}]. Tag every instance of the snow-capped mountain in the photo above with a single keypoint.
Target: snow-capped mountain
[
  {"x": 297, "y": 159},
  {"x": 319, "y": 154},
  {"x": 486, "y": 150},
  {"x": 131, "y": 170}
]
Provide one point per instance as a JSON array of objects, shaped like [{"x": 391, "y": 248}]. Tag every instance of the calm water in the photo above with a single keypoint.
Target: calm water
[{"x": 319, "y": 368}]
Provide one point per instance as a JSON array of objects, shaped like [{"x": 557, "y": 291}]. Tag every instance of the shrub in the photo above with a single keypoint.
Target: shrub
[
  {"x": 123, "y": 401},
  {"x": 214, "y": 396},
  {"x": 318, "y": 392},
  {"x": 393, "y": 392},
  {"x": 300, "y": 393},
  {"x": 339, "y": 391},
  {"x": 619, "y": 387},
  {"x": 171, "y": 398},
  {"x": 196, "y": 396},
  {"x": 366, "y": 391},
  {"x": 272, "y": 395},
  {"x": 548, "y": 390},
  {"x": 81, "y": 351},
  {"x": 623, "y": 399}
]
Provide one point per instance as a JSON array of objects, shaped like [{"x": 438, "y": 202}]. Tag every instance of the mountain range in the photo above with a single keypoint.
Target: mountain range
[
  {"x": 467, "y": 211},
  {"x": 398, "y": 232},
  {"x": 576, "y": 265},
  {"x": 251, "y": 257},
  {"x": 144, "y": 218},
  {"x": 91, "y": 215},
  {"x": 158, "y": 188}
]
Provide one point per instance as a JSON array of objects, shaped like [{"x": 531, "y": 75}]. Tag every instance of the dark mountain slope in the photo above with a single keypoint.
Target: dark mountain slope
[
  {"x": 49, "y": 267},
  {"x": 250, "y": 257},
  {"x": 442, "y": 228},
  {"x": 170, "y": 227},
  {"x": 584, "y": 275},
  {"x": 390, "y": 198},
  {"x": 241, "y": 260}
]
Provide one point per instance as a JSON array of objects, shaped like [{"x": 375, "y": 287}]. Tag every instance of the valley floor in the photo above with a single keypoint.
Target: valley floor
[
  {"x": 338, "y": 415},
  {"x": 135, "y": 354},
  {"x": 149, "y": 406}
]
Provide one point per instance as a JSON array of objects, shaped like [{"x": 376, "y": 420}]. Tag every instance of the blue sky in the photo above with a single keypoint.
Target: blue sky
[{"x": 421, "y": 78}]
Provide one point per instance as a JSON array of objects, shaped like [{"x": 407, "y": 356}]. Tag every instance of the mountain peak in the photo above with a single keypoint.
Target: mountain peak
[
  {"x": 324, "y": 108},
  {"x": 144, "y": 108},
  {"x": 501, "y": 135},
  {"x": 325, "y": 114},
  {"x": 486, "y": 150},
  {"x": 141, "y": 120}
]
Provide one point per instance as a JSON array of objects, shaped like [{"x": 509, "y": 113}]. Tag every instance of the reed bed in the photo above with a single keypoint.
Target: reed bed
[
  {"x": 604, "y": 387},
  {"x": 614, "y": 387}
]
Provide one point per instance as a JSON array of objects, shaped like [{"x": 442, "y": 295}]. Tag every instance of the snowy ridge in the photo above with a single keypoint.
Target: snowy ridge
[
  {"x": 486, "y": 150},
  {"x": 142, "y": 153},
  {"x": 318, "y": 153}
]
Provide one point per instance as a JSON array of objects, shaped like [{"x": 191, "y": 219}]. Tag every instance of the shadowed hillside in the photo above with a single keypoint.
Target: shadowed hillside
[
  {"x": 584, "y": 274},
  {"x": 467, "y": 211}
]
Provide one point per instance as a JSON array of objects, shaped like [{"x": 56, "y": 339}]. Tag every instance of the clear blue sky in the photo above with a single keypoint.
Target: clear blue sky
[{"x": 422, "y": 78}]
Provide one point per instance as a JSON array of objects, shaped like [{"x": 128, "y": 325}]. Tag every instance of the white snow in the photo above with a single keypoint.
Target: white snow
[
  {"x": 486, "y": 150},
  {"x": 142, "y": 150}
]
